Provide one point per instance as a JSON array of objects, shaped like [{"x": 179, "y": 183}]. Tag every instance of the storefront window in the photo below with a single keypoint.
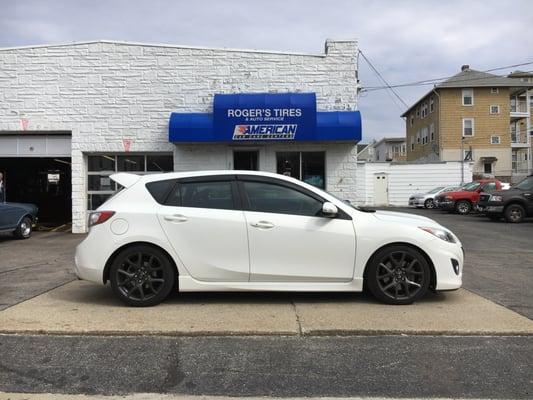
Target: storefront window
[
  {"x": 100, "y": 187},
  {"x": 308, "y": 166}
]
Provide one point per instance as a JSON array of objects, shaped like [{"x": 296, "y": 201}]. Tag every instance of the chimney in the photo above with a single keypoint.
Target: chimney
[{"x": 465, "y": 67}]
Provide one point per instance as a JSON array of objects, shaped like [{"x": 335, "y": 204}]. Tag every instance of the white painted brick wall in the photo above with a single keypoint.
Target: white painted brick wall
[{"x": 104, "y": 92}]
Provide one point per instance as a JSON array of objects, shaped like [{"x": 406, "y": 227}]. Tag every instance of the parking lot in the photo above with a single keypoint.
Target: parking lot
[{"x": 498, "y": 261}]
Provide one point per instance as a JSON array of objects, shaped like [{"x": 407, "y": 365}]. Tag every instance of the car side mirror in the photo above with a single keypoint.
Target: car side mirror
[{"x": 329, "y": 210}]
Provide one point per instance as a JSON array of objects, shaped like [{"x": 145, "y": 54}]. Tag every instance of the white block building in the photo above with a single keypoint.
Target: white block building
[{"x": 72, "y": 114}]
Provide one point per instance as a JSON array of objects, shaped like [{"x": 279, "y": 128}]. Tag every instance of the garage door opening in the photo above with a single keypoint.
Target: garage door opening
[{"x": 45, "y": 182}]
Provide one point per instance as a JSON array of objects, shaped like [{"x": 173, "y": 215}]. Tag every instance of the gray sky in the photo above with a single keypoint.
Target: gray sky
[{"x": 406, "y": 40}]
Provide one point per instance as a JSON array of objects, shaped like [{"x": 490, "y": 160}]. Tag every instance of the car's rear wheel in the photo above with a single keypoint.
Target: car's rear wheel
[
  {"x": 463, "y": 207},
  {"x": 142, "y": 276},
  {"x": 429, "y": 203},
  {"x": 514, "y": 213},
  {"x": 24, "y": 229},
  {"x": 398, "y": 275}
]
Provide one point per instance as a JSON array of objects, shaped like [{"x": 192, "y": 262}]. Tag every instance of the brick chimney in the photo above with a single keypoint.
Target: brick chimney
[{"x": 465, "y": 67}]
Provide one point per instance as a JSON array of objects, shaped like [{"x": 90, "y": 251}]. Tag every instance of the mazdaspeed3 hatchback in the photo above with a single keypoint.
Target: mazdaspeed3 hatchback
[{"x": 258, "y": 231}]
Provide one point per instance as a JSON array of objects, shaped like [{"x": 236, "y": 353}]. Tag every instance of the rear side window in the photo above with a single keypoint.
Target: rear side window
[
  {"x": 218, "y": 195},
  {"x": 271, "y": 198},
  {"x": 160, "y": 189}
]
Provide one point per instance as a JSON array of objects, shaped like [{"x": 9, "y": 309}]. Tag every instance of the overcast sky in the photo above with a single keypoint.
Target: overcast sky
[{"x": 406, "y": 40}]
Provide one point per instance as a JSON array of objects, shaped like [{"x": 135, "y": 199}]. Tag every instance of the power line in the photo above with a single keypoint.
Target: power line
[
  {"x": 383, "y": 79},
  {"x": 436, "y": 80}
]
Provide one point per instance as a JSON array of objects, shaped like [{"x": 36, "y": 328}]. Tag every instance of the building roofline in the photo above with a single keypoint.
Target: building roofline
[
  {"x": 175, "y": 46},
  {"x": 390, "y": 139}
]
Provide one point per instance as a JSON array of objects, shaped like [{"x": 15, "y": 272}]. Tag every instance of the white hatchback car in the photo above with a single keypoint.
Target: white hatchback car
[{"x": 257, "y": 231}]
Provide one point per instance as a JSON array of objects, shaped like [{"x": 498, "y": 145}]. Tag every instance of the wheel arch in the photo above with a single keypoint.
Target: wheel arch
[
  {"x": 433, "y": 274},
  {"x": 112, "y": 257},
  {"x": 513, "y": 202}
]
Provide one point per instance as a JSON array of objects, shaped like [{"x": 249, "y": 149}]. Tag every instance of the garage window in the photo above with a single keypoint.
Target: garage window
[{"x": 100, "y": 187}]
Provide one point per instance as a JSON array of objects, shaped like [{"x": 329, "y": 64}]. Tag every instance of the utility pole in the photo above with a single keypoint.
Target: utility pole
[{"x": 462, "y": 160}]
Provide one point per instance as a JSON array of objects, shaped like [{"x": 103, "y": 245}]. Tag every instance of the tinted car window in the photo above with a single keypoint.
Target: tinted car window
[
  {"x": 271, "y": 198},
  {"x": 489, "y": 187},
  {"x": 160, "y": 189},
  {"x": 526, "y": 184},
  {"x": 203, "y": 195}
]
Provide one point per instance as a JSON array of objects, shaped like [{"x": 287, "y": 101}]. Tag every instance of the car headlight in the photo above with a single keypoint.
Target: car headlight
[
  {"x": 496, "y": 198},
  {"x": 440, "y": 233}
]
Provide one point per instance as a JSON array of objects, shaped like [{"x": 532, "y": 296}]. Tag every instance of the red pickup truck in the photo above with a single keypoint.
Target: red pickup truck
[{"x": 465, "y": 198}]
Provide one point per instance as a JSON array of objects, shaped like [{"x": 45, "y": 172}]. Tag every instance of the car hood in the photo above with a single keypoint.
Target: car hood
[
  {"x": 31, "y": 208},
  {"x": 406, "y": 219}
]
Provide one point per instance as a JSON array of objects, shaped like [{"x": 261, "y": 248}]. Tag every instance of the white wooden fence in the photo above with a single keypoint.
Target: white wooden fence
[{"x": 403, "y": 179}]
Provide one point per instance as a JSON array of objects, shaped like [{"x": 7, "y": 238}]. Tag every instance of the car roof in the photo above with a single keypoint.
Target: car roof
[{"x": 194, "y": 174}]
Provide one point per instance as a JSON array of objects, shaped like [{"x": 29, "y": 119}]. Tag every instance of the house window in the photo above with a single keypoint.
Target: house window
[
  {"x": 494, "y": 90},
  {"x": 424, "y": 135},
  {"x": 431, "y": 104},
  {"x": 412, "y": 119},
  {"x": 494, "y": 139},
  {"x": 468, "y": 127},
  {"x": 467, "y": 155},
  {"x": 418, "y": 137},
  {"x": 412, "y": 143},
  {"x": 494, "y": 109},
  {"x": 432, "y": 132},
  {"x": 424, "y": 110},
  {"x": 403, "y": 150},
  {"x": 418, "y": 111},
  {"x": 468, "y": 97},
  {"x": 487, "y": 168}
]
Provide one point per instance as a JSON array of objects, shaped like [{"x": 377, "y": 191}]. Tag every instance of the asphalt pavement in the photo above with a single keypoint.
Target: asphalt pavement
[
  {"x": 389, "y": 366},
  {"x": 499, "y": 257}
]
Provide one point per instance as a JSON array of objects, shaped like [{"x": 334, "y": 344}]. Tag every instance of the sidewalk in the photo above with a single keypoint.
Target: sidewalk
[{"x": 81, "y": 308}]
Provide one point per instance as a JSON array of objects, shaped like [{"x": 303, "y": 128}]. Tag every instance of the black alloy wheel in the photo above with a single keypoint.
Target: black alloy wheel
[
  {"x": 429, "y": 203},
  {"x": 398, "y": 275},
  {"x": 514, "y": 213},
  {"x": 142, "y": 276},
  {"x": 24, "y": 228},
  {"x": 463, "y": 207}
]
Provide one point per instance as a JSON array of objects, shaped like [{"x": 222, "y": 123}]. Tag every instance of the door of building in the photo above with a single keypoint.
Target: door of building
[
  {"x": 246, "y": 160},
  {"x": 381, "y": 189}
]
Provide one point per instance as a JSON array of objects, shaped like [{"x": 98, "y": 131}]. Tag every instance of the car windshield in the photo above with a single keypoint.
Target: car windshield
[
  {"x": 470, "y": 187},
  {"x": 526, "y": 184},
  {"x": 437, "y": 189}
]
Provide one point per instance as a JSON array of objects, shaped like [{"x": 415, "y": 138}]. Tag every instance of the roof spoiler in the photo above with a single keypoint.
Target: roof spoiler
[{"x": 125, "y": 179}]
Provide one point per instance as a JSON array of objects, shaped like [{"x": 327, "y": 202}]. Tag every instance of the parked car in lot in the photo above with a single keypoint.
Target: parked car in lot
[
  {"x": 427, "y": 200},
  {"x": 463, "y": 200},
  {"x": 514, "y": 204},
  {"x": 257, "y": 231},
  {"x": 18, "y": 218}
]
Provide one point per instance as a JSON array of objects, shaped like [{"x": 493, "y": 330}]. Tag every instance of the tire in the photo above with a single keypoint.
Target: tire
[
  {"x": 24, "y": 229},
  {"x": 429, "y": 204},
  {"x": 463, "y": 207},
  {"x": 514, "y": 213},
  {"x": 142, "y": 276},
  {"x": 398, "y": 275}
]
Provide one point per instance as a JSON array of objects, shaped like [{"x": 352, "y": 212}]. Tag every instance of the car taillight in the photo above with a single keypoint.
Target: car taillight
[{"x": 99, "y": 217}]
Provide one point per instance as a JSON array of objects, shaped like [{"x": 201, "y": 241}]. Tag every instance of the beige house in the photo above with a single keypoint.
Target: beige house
[
  {"x": 389, "y": 149},
  {"x": 476, "y": 117}
]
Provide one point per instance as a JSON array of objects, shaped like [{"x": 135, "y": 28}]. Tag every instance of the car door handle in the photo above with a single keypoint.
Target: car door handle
[
  {"x": 175, "y": 218},
  {"x": 262, "y": 225}
]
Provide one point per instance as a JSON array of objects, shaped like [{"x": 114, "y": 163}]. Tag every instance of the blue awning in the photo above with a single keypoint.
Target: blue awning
[
  {"x": 331, "y": 126},
  {"x": 266, "y": 117}
]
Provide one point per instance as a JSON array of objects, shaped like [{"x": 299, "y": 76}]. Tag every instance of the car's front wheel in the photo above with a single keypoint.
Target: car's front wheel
[
  {"x": 398, "y": 275},
  {"x": 142, "y": 276},
  {"x": 514, "y": 213},
  {"x": 463, "y": 207},
  {"x": 24, "y": 228},
  {"x": 429, "y": 203}
]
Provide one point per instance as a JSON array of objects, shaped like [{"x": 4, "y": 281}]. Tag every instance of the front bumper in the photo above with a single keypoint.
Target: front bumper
[
  {"x": 416, "y": 202},
  {"x": 489, "y": 208},
  {"x": 446, "y": 204},
  {"x": 445, "y": 257}
]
